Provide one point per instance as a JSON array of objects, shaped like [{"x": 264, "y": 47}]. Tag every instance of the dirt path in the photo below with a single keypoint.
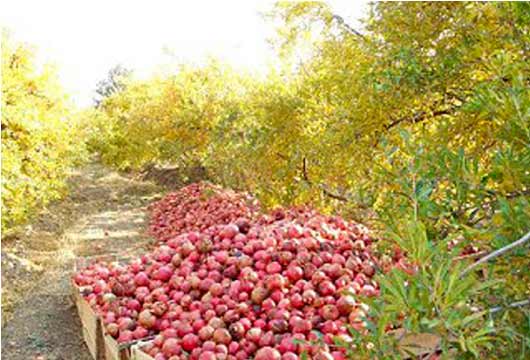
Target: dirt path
[{"x": 105, "y": 213}]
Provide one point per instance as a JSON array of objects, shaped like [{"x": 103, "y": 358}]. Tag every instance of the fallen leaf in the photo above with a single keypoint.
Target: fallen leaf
[{"x": 416, "y": 344}]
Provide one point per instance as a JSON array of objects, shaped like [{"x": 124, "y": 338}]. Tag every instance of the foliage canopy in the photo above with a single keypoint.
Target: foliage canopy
[{"x": 40, "y": 138}]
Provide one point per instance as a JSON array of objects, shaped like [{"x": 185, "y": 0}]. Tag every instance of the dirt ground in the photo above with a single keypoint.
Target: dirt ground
[{"x": 105, "y": 213}]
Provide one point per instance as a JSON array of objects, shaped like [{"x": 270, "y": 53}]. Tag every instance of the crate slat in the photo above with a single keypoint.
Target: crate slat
[
  {"x": 116, "y": 351},
  {"x": 90, "y": 324},
  {"x": 138, "y": 354}
]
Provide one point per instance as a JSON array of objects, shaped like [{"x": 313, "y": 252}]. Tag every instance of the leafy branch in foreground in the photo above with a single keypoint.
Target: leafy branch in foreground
[
  {"x": 497, "y": 253},
  {"x": 432, "y": 302}
]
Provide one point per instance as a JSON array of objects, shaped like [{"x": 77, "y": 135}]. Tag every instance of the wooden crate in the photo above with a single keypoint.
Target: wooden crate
[
  {"x": 116, "y": 351},
  {"x": 138, "y": 354},
  {"x": 90, "y": 323},
  {"x": 113, "y": 350}
]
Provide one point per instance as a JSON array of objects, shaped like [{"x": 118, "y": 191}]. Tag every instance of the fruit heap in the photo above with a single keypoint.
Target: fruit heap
[
  {"x": 265, "y": 287},
  {"x": 197, "y": 207}
]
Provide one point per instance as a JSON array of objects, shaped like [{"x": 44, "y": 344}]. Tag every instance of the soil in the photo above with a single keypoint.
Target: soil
[{"x": 105, "y": 213}]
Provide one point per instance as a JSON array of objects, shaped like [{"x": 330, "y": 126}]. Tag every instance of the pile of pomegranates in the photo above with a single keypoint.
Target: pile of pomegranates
[
  {"x": 262, "y": 287},
  {"x": 197, "y": 207}
]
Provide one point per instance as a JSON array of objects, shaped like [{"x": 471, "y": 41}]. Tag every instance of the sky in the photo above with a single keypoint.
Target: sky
[{"x": 84, "y": 39}]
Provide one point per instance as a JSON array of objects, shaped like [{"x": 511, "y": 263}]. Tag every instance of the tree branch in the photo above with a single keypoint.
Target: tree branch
[
  {"x": 515, "y": 194},
  {"x": 417, "y": 117},
  {"x": 347, "y": 27},
  {"x": 281, "y": 156},
  {"x": 322, "y": 187},
  {"x": 488, "y": 204},
  {"x": 497, "y": 253},
  {"x": 512, "y": 305},
  {"x": 469, "y": 256}
]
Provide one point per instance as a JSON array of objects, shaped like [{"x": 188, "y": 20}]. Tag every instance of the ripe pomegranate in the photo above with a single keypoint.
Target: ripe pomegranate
[
  {"x": 268, "y": 353},
  {"x": 190, "y": 342}
]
